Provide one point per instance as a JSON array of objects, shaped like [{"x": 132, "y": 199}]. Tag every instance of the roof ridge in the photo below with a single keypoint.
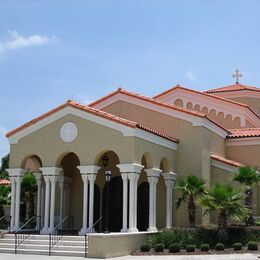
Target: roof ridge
[
  {"x": 225, "y": 160},
  {"x": 233, "y": 87}
]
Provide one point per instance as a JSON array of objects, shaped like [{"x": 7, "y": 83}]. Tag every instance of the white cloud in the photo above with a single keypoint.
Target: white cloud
[
  {"x": 190, "y": 75},
  {"x": 83, "y": 99},
  {"x": 15, "y": 41}
]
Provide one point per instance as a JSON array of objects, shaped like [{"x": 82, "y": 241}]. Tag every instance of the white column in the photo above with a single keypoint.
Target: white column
[
  {"x": 125, "y": 193},
  {"x": 50, "y": 175},
  {"x": 88, "y": 173},
  {"x": 38, "y": 177},
  {"x": 92, "y": 178},
  {"x": 61, "y": 187},
  {"x": 132, "y": 171},
  {"x": 53, "y": 180},
  {"x": 42, "y": 203},
  {"x": 169, "y": 179},
  {"x": 12, "y": 202},
  {"x": 17, "y": 175},
  {"x": 47, "y": 205},
  {"x": 152, "y": 177}
]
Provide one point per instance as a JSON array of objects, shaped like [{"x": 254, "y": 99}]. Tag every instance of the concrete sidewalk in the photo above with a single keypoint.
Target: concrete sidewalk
[{"x": 184, "y": 257}]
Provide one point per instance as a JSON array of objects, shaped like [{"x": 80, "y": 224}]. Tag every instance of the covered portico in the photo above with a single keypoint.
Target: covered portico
[{"x": 68, "y": 164}]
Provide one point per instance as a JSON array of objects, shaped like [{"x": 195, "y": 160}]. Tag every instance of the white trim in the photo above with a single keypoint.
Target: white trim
[
  {"x": 125, "y": 130},
  {"x": 196, "y": 121},
  {"x": 130, "y": 168},
  {"x": 13, "y": 172},
  {"x": 50, "y": 171},
  {"x": 89, "y": 169},
  {"x": 223, "y": 166},
  {"x": 170, "y": 176},
  {"x": 243, "y": 141}
]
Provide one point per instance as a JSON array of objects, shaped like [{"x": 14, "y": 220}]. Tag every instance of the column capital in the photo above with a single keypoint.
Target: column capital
[
  {"x": 16, "y": 172},
  {"x": 51, "y": 171},
  {"x": 124, "y": 176},
  {"x": 92, "y": 177},
  {"x": 153, "y": 172},
  {"x": 88, "y": 169},
  {"x": 129, "y": 168},
  {"x": 170, "y": 176}
]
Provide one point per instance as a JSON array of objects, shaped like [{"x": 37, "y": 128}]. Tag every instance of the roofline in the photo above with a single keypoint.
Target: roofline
[
  {"x": 95, "y": 112},
  {"x": 225, "y": 160},
  {"x": 222, "y": 89}
]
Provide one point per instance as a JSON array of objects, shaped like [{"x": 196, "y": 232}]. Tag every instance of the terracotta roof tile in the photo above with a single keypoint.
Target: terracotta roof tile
[
  {"x": 244, "y": 132},
  {"x": 4, "y": 182},
  {"x": 150, "y": 100},
  {"x": 96, "y": 112},
  {"x": 235, "y": 87},
  {"x": 225, "y": 160}
]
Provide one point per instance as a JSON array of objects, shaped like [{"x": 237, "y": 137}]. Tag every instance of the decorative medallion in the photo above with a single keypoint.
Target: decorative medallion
[{"x": 68, "y": 132}]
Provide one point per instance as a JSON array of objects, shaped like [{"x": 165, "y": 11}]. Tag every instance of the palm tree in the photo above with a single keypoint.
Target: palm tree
[
  {"x": 190, "y": 188},
  {"x": 227, "y": 200},
  {"x": 248, "y": 176}
]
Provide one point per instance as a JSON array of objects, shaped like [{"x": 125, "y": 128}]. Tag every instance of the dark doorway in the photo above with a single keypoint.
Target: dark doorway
[
  {"x": 115, "y": 204},
  {"x": 97, "y": 208},
  {"x": 143, "y": 206}
]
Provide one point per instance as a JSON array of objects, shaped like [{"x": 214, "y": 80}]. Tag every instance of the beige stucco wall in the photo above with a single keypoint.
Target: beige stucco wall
[
  {"x": 196, "y": 145},
  {"x": 105, "y": 246}
]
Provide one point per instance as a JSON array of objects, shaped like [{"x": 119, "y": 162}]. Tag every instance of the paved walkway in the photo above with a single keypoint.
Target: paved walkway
[{"x": 186, "y": 257}]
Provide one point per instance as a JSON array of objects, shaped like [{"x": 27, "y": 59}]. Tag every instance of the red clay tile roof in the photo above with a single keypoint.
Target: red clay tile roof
[
  {"x": 244, "y": 132},
  {"x": 235, "y": 87},
  {"x": 150, "y": 100},
  {"x": 202, "y": 93},
  {"x": 4, "y": 182},
  {"x": 96, "y": 112},
  {"x": 225, "y": 160}
]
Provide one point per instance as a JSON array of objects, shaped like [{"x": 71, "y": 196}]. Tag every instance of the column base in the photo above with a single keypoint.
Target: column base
[
  {"x": 45, "y": 231},
  {"x": 152, "y": 229},
  {"x": 15, "y": 228},
  {"x": 83, "y": 232},
  {"x": 132, "y": 230},
  {"x": 124, "y": 230}
]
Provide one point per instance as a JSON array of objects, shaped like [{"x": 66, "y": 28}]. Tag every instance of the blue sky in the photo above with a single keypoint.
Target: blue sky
[{"x": 51, "y": 50}]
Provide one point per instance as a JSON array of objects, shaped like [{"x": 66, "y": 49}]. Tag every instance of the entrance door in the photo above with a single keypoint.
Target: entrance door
[
  {"x": 115, "y": 204},
  {"x": 143, "y": 206}
]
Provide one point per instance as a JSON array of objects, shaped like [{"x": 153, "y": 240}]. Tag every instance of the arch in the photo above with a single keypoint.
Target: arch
[
  {"x": 69, "y": 164},
  {"x": 229, "y": 117},
  {"x": 197, "y": 107},
  {"x": 213, "y": 112},
  {"x": 147, "y": 160},
  {"x": 237, "y": 122},
  {"x": 31, "y": 163},
  {"x": 178, "y": 102},
  {"x": 164, "y": 165},
  {"x": 61, "y": 157},
  {"x": 143, "y": 206},
  {"x": 189, "y": 105},
  {"x": 221, "y": 116},
  {"x": 205, "y": 110}
]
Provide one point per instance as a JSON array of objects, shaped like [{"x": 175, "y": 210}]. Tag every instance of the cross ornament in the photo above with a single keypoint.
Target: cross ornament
[
  {"x": 68, "y": 131},
  {"x": 237, "y": 75}
]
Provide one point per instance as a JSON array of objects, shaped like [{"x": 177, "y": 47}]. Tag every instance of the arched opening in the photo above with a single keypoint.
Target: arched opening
[
  {"x": 197, "y": 107},
  {"x": 113, "y": 192},
  {"x": 164, "y": 165},
  {"x": 178, "y": 102},
  {"x": 205, "y": 110},
  {"x": 31, "y": 163},
  {"x": 143, "y": 195},
  {"x": 73, "y": 191},
  {"x": 189, "y": 105}
]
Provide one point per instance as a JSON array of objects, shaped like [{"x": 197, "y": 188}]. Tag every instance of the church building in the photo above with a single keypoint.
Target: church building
[{"x": 115, "y": 161}]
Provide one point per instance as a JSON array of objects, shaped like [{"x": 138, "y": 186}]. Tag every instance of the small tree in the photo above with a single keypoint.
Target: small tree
[
  {"x": 5, "y": 198},
  {"x": 4, "y": 166},
  {"x": 227, "y": 200},
  {"x": 190, "y": 188},
  {"x": 29, "y": 187},
  {"x": 248, "y": 176}
]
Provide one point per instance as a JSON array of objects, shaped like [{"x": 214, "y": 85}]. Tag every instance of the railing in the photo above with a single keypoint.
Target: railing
[
  {"x": 29, "y": 227},
  {"x": 65, "y": 224},
  {"x": 89, "y": 231},
  {"x": 5, "y": 222}
]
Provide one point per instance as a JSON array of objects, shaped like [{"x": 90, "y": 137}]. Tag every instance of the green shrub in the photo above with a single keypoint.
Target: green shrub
[
  {"x": 159, "y": 247},
  {"x": 219, "y": 247},
  {"x": 190, "y": 248},
  {"x": 174, "y": 248},
  {"x": 145, "y": 248},
  {"x": 204, "y": 247},
  {"x": 237, "y": 246},
  {"x": 252, "y": 245}
]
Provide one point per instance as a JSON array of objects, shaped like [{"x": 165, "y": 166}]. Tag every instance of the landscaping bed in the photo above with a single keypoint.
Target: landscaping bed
[{"x": 202, "y": 240}]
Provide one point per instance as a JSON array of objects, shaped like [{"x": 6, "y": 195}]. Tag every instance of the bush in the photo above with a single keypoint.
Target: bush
[
  {"x": 204, "y": 247},
  {"x": 219, "y": 247},
  {"x": 252, "y": 245},
  {"x": 237, "y": 246},
  {"x": 174, "y": 248},
  {"x": 190, "y": 248},
  {"x": 145, "y": 248},
  {"x": 159, "y": 247}
]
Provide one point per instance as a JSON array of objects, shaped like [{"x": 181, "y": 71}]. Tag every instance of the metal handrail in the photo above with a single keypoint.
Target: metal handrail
[
  {"x": 55, "y": 236},
  {"x": 7, "y": 222},
  {"x": 3, "y": 217},
  {"x": 20, "y": 237},
  {"x": 90, "y": 230}
]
